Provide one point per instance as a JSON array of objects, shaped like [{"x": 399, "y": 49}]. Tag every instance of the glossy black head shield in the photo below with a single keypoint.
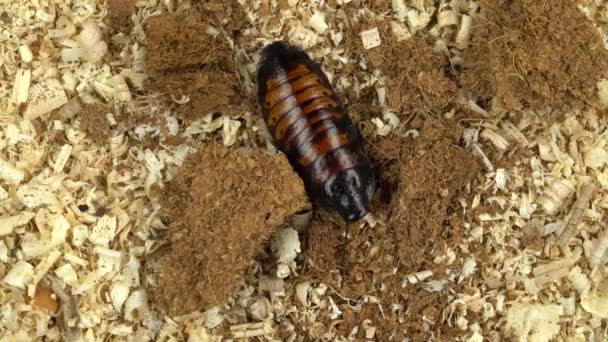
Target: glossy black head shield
[{"x": 349, "y": 192}]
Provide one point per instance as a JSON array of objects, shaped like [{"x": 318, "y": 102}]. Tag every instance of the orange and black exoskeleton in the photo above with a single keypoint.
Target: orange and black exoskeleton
[{"x": 309, "y": 123}]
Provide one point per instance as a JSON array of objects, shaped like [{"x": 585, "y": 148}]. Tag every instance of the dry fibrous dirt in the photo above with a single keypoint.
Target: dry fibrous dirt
[
  {"x": 192, "y": 64},
  {"x": 119, "y": 16},
  {"x": 221, "y": 208},
  {"x": 230, "y": 14},
  {"x": 534, "y": 54},
  {"x": 433, "y": 172},
  {"x": 418, "y": 77},
  {"x": 429, "y": 174},
  {"x": 93, "y": 120},
  {"x": 417, "y": 74}
]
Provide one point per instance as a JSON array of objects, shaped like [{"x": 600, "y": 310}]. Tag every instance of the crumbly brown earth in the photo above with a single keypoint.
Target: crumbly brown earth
[
  {"x": 120, "y": 13},
  {"x": 221, "y": 208},
  {"x": 229, "y": 13},
  {"x": 93, "y": 120},
  {"x": 534, "y": 54},
  {"x": 189, "y": 64},
  {"x": 430, "y": 173},
  {"x": 433, "y": 172},
  {"x": 417, "y": 74}
]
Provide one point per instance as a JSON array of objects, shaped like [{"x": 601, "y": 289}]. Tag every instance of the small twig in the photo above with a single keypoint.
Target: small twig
[
  {"x": 578, "y": 209},
  {"x": 68, "y": 311}
]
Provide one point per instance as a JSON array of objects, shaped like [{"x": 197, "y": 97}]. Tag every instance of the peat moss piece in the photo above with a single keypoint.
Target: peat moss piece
[
  {"x": 93, "y": 120},
  {"x": 230, "y": 14},
  {"x": 120, "y": 14},
  {"x": 433, "y": 173},
  {"x": 191, "y": 64},
  {"x": 535, "y": 54},
  {"x": 221, "y": 208},
  {"x": 417, "y": 216},
  {"x": 417, "y": 74}
]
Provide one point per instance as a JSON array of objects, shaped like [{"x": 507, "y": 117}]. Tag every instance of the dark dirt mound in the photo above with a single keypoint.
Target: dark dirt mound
[
  {"x": 417, "y": 74},
  {"x": 229, "y": 14},
  {"x": 433, "y": 173},
  {"x": 187, "y": 56},
  {"x": 527, "y": 53},
  {"x": 221, "y": 208},
  {"x": 424, "y": 177},
  {"x": 120, "y": 14},
  {"x": 93, "y": 120},
  {"x": 417, "y": 78}
]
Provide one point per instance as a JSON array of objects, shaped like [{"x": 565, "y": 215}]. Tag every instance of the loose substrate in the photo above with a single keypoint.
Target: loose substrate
[{"x": 140, "y": 198}]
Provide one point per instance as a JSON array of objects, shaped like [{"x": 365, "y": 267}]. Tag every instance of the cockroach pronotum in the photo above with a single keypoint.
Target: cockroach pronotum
[{"x": 309, "y": 123}]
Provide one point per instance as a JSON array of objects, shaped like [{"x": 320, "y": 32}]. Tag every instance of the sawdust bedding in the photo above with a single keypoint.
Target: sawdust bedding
[{"x": 140, "y": 197}]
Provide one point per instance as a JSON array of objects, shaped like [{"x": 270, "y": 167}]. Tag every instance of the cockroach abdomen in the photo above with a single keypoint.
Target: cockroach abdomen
[{"x": 309, "y": 123}]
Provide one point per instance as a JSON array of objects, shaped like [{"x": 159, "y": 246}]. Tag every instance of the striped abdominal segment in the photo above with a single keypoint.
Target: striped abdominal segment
[
  {"x": 323, "y": 143},
  {"x": 302, "y": 115},
  {"x": 282, "y": 91},
  {"x": 298, "y": 71},
  {"x": 299, "y": 118},
  {"x": 282, "y": 107}
]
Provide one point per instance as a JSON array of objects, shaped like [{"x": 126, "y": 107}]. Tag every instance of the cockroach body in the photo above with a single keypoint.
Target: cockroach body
[{"x": 309, "y": 123}]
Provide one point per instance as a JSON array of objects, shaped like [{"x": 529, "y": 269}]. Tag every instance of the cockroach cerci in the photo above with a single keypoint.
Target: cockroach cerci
[{"x": 309, "y": 123}]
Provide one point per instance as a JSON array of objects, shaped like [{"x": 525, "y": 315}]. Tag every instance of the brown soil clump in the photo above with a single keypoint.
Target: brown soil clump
[
  {"x": 433, "y": 172},
  {"x": 229, "y": 13},
  {"x": 93, "y": 120},
  {"x": 417, "y": 73},
  {"x": 209, "y": 91},
  {"x": 180, "y": 42},
  {"x": 184, "y": 59},
  {"x": 417, "y": 78},
  {"x": 120, "y": 14},
  {"x": 380, "y": 6},
  {"x": 221, "y": 207},
  {"x": 415, "y": 221},
  {"x": 318, "y": 235},
  {"x": 534, "y": 54}
]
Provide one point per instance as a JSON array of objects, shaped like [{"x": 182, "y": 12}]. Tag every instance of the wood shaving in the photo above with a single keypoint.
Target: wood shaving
[
  {"x": 44, "y": 97},
  {"x": 577, "y": 211},
  {"x": 534, "y": 322},
  {"x": 600, "y": 247},
  {"x": 555, "y": 195},
  {"x": 399, "y": 31},
  {"x": 595, "y": 301},
  {"x": 602, "y": 87},
  {"x": 22, "y": 86},
  {"x": 371, "y": 38}
]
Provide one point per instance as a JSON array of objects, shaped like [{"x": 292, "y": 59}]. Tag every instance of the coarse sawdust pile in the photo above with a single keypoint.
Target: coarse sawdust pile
[
  {"x": 420, "y": 205},
  {"x": 141, "y": 199},
  {"x": 418, "y": 76}
]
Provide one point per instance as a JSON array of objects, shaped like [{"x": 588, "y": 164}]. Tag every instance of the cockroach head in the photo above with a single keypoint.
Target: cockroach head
[{"x": 349, "y": 192}]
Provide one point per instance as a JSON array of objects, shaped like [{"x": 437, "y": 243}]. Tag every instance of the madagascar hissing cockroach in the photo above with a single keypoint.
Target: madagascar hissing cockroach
[{"x": 309, "y": 123}]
